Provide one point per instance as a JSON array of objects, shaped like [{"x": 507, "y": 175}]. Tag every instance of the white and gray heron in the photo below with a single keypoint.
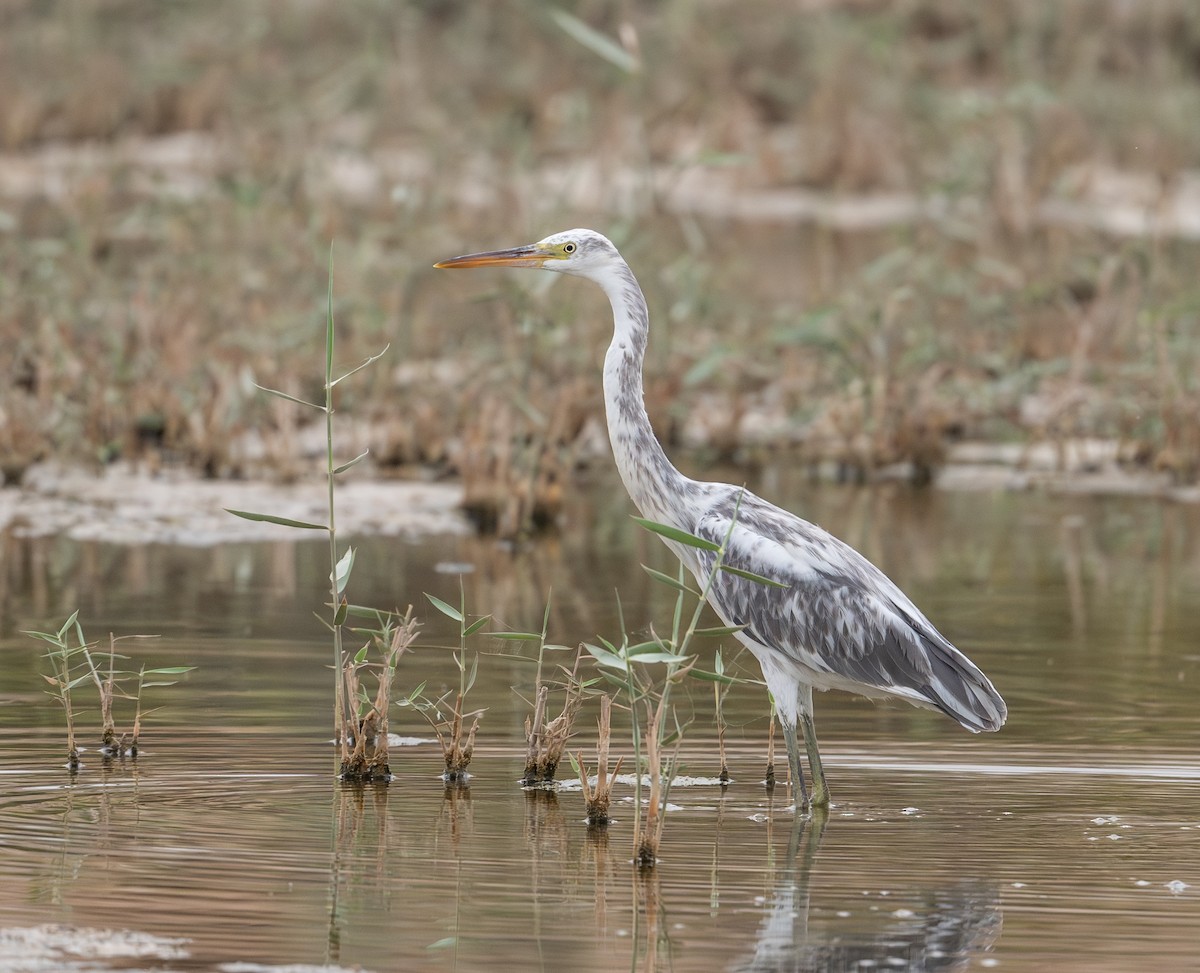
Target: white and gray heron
[{"x": 837, "y": 622}]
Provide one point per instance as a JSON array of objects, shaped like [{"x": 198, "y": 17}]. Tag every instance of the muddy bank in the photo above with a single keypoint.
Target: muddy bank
[{"x": 1090, "y": 466}]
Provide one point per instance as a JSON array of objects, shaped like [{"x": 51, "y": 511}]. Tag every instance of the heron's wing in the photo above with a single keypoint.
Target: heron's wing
[{"x": 838, "y": 615}]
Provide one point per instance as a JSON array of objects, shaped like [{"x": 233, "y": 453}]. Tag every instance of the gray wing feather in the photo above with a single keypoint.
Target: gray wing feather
[{"x": 839, "y": 615}]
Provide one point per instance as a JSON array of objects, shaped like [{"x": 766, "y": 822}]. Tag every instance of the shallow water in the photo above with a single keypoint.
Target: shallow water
[{"x": 1069, "y": 841}]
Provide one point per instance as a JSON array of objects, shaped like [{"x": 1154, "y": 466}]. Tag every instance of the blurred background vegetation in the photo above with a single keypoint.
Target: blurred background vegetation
[{"x": 866, "y": 229}]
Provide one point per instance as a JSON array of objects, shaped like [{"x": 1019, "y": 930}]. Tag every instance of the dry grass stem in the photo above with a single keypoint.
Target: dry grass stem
[
  {"x": 109, "y": 744},
  {"x": 457, "y": 750},
  {"x": 770, "y": 780},
  {"x": 137, "y": 727},
  {"x": 597, "y": 799},
  {"x": 645, "y": 853},
  {"x": 719, "y": 696},
  {"x": 648, "y": 835}
]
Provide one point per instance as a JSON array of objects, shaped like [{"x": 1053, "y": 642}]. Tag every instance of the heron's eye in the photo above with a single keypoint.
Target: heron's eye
[{"x": 568, "y": 248}]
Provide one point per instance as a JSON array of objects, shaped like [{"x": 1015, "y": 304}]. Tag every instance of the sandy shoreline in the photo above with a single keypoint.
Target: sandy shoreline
[{"x": 120, "y": 505}]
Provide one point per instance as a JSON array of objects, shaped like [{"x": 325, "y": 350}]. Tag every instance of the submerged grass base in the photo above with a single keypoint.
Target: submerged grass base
[
  {"x": 367, "y": 761},
  {"x": 365, "y": 773},
  {"x": 458, "y": 748}
]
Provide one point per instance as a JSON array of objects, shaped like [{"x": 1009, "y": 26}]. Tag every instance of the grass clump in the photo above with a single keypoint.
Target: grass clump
[
  {"x": 73, "y": 663},
  {"x": 455, "y": 730},
  {"x": 364, "y": 743},
  {"x": 657, "y": 733},
  {"x": 656, "y": 729},
  {"x": 546, "y": 737},
  {"x": 360, "y": 720}
]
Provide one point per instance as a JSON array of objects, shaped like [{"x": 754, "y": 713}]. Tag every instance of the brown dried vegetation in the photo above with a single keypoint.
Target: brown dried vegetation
[
  {"x": 598, "y": 798},
  {"x": 364, "y": 738},
  {"x": 547, "y": 739},
  {"x": 457, "y": 747},
  {"x": 166, "y": 206}
]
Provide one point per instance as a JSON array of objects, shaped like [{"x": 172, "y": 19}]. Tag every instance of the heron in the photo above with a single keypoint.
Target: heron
[{"x": 831, "y": 619}]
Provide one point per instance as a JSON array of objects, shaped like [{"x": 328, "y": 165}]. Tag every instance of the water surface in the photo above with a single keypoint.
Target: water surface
[{"x": 1070, "y": 840}]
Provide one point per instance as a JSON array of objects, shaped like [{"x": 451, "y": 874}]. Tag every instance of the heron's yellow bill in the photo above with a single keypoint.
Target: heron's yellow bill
[{"x": 528, "y": 256}]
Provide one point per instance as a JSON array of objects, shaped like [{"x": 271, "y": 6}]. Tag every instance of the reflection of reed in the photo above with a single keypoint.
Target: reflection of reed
[
  {"x": 351, "y": 812},
  {"x": 546, "y": 842},
  {"x": 545, "y": 828},
  {"x": 597, "y": 859},
  {"x": 951, "y": 925},
  {"x": 457, "y": 811},
  {"x": 348, "y": 838},
  {"x": 714, "y": 879},
  {"x": 102, "y": 835},
  {"x": 1086, "y": 563},
  {"x": 651, "y": 942}
]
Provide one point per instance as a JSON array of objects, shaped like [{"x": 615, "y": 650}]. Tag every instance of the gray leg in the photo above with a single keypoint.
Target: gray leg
[
  {"x": 820, "y": 796},
  {"x": 820, "y": 788},
  {"x": 799, "y": 790}
]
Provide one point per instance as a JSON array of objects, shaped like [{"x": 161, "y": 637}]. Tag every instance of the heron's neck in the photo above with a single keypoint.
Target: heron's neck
[{"x": 654, "y": 484}]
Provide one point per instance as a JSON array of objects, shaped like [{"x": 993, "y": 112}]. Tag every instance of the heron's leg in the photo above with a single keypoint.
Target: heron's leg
[
  {"x": 820, "y": 796},
  {"x": 799, "y": 791}
]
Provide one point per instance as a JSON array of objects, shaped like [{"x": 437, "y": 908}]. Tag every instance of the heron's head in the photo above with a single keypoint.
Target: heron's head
[{"x": 583, "y": 253}]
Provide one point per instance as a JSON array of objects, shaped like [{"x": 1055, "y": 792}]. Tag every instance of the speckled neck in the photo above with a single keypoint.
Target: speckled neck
[{"x": 652, "y": 481}]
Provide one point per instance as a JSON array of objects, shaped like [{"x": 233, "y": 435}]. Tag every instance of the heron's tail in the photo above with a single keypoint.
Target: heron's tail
[{"x": 960, "y": 689}]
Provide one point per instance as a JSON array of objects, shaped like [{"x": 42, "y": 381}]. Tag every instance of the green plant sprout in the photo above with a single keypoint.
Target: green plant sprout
[
  {"x": 624, "y": 666},
  {"x": 341, "y": 565},
  {"x": 73, "y": 664}
]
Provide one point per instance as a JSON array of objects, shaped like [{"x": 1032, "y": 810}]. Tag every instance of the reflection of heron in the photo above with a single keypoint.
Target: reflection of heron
[
  {"x": 831, "y": 620},
  {"x": 942, "y": 930}
]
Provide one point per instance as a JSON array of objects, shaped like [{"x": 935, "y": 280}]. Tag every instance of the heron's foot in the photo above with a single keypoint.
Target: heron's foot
[
  {"x": 810, "y": 809},
  {"x": 803, "y": 801}
]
